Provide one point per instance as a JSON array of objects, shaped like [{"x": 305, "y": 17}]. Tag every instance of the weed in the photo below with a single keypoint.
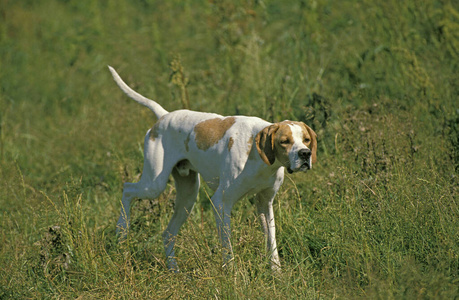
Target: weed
[{"x": 375, "y": 218}]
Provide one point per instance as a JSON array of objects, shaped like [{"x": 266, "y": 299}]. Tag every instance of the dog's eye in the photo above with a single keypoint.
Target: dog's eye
[
  {"x": 306, "y": 140},
  {"x": 286, "y": 141}
]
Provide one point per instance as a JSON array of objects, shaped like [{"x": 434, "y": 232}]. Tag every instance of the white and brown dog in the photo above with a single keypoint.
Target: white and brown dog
[{"x": 236, "y": 156}]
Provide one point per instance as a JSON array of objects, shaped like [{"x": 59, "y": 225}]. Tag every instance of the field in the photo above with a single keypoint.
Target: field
[{"x": 376, "y": 218}]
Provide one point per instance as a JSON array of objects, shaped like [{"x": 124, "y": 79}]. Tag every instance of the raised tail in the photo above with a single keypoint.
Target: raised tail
[{"x": 155, "y": 107}]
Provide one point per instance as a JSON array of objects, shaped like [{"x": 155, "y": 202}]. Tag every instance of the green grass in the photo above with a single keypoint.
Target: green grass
[{"x": 377, "y": 218}]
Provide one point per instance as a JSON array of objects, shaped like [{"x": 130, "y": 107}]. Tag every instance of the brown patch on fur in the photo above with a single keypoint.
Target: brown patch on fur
[
  {"x": 154, "y": 130},
  {"x": 283, "y": 141},
  {"x": 265, "y": 143},
  {"x": 209, "y": 132},
  {"x": 313, "y": 144},
  {"x": 230, "y": 143},
  {"x": 249, "y": 143}
]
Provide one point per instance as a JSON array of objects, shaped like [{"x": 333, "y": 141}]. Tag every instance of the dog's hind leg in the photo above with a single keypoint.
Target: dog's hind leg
[
  {"x": 140, "y": 190},
  {"x": 151, "y": 184},
  {"x": 123, "y": 221},
  {"x": 187, "y": 188}
]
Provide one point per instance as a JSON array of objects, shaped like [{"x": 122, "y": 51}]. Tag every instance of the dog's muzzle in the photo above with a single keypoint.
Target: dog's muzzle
[{"x": 304, "y": 155}]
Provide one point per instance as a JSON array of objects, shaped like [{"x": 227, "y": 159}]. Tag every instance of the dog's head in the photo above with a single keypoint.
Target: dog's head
[{"x": 293, "y": 144}]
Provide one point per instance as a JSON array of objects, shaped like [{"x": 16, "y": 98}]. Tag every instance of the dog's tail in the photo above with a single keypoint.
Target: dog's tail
[{"x": 155, "y": 107}]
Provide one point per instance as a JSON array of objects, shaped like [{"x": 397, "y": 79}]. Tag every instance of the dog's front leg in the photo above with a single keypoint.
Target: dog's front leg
[
  {"x": 265, "y": 210},
  {"x": 222, "y": 211}
]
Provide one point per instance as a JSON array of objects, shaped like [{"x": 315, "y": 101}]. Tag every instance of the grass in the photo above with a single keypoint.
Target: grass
[{"x": 376, "y": 218}]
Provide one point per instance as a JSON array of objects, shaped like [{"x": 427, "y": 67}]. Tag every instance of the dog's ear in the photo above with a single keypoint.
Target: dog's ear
[
  {"x": 265, "y": 143},
  {"x": 313, "y": 144}
]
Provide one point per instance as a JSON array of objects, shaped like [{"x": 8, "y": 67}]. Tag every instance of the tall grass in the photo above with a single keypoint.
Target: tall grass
[{"x": 378, "y": 82}]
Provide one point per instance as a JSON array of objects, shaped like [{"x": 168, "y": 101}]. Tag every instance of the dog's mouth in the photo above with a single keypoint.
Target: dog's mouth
[{"x": 303, "y": 168}]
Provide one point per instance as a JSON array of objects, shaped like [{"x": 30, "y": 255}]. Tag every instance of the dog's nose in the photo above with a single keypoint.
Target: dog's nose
[{"x": 304, "y": 154}]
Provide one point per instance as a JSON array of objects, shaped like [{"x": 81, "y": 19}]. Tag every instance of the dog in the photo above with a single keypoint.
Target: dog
[{"x": 236, "y": 156}]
